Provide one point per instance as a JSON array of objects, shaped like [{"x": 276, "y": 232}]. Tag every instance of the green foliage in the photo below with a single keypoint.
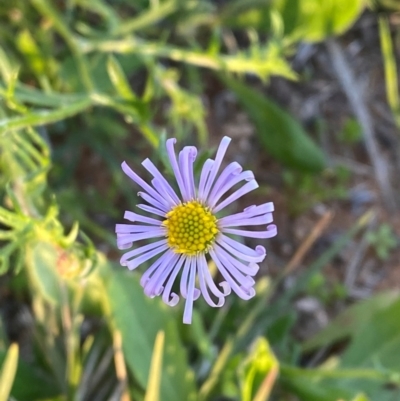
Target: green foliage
[
  {"x": 281, "y": 135},
  {"x": 87, "y": 84},
  {"x": 382, "y": 240}
]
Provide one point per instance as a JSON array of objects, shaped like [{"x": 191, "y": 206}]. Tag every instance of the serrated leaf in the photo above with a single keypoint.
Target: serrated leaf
[{"x": 282, "y": 136}]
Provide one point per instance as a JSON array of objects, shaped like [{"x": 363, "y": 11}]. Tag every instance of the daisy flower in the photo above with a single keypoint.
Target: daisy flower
[{"x": 186, "y": 229}]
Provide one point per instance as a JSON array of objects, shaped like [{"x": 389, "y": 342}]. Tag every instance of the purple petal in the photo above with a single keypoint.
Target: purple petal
[
  {"x": 143, "y": 219},
  {"x": 249, "y": 212},
  {"x": 163, "y": 192},
  {"x": 160, "y": 263},
  {"x": 241, "y": 251},
  {"x": 231, "y": 182},
  {"x": 175, "y": 167},
  {"x": 153, "y": 202},
  {"x": 250, "y": 270},
  {"x": 232, "y": 169},
  {"x": 134, "y": 177},
  {"x": 152, "y": 169},
  {"x": 187, "y": 156},
  {"x": 269, "y": 233},
  {"x": 134, "y": 228},
  {"x": 188, "y": 311},
  {"x": 125, "y": 239},
  {"x": 133, "y": 264},
  {"x": 169, "y": 298},
  {"x": 142, "y": 249},
  {"x": 154, "y": 285},
  {"x": 184, "y": 279},
  {"x": 215, "y": 167},
  {"x": 253, "y": 221},
  {"x": 250, "y": 186},
  {"x": 205, "y": 172},
  {"x": 245, "y": 280},
  {"x": 202, "y": 274},
  {"x": 242, "y": 291},
  {"x": 152, "y": 210}
]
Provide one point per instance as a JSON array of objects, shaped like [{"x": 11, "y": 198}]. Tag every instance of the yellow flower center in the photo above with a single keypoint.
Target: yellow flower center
[{"x": 191, "y": 228}]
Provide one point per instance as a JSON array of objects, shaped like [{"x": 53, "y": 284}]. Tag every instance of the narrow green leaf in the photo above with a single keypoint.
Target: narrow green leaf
[
  {"x": 8, "y": 371},
  {"x": 280, "y": 133},
  {"x": 42, "y": 117},
  {"x": 41, "y": 259},
  {"x": 139, "y": 319},
  {"x": 153, "y": 386},
  {"x": 349, "y": 322},
  {"x": 389, "y": 60},
  {"x": 119, "y": 80}
]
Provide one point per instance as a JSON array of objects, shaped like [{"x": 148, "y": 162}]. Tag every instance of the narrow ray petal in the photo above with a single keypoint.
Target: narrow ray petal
[
  {"x": 151, "y": 209},
  {"x": 270, "y": 232},
  {"x": 188, "y": 311},
  {"x": 169, "y": 298},
  {"x": 248, "y": 187},
  {"x": 175, "y": 167},
  {"x": 202, "y": 271},
  {"x": 142, "y": 249},
  {"x": 153, "y": 170},
  {"x": 215, "y": 167},
  {"x": 142, "y": 219},
  {"x": 241, "y": 251},
  {"x": 242, "y": 292},
  {"x": 151, "y": 191},
  {"x": 205, "y": 173}
]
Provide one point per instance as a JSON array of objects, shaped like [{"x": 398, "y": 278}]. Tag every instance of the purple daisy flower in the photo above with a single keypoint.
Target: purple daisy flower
[{"x": 187, "y": 229}]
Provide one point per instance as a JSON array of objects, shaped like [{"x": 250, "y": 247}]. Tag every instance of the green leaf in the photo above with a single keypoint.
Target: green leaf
[
  {"x": 42, "y": 117},
  {"x": 8, "y": 371},
  {"x": 118, "y": 79},
  {"x": 280, "y": 133},
  {"x": 41, "y": 259},
  {"x": 377, "y": 342},
  {"x": 139, "y": 319},
  {"x": 351, "y": 320},
  {"x": 153, "y": 386},
  {"x": 253, "y": 371},
  {"x": 30, "y": 384}
]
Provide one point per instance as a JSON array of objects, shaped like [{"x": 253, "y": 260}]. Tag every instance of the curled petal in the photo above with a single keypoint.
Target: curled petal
[
  {"x": 241, "y": 290},
  {"x": 249, "y": 270},
  {"x": 241, "y": 251},
  {"x": 270, "y": 232},
  {"x": 253, "y": 221},
  {"x": 169, "y": 298},
  {"x": 202, "y": 273}
]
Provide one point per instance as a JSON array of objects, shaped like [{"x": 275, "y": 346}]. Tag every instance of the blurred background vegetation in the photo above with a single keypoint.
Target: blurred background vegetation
[{"x": 307, "y": 89}]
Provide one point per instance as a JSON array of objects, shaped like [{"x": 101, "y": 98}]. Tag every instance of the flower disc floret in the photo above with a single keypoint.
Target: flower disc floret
[{"x": 191, "y": 228}]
